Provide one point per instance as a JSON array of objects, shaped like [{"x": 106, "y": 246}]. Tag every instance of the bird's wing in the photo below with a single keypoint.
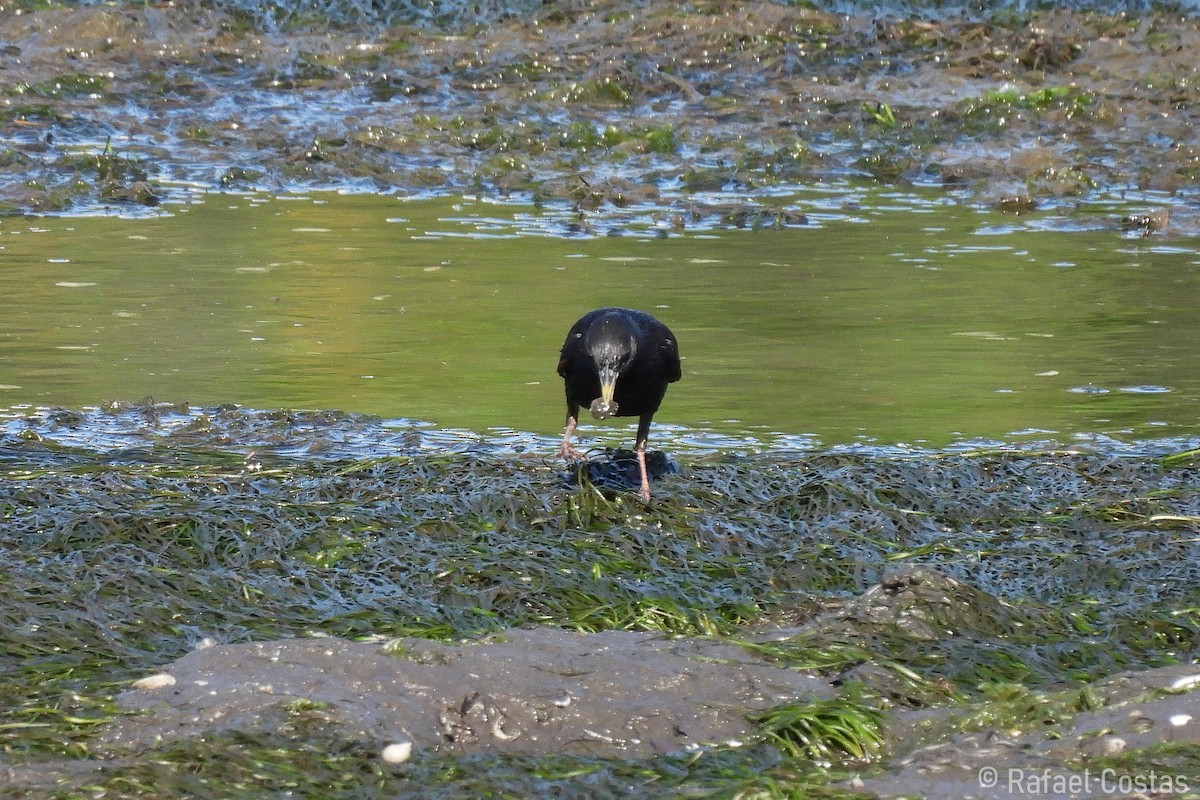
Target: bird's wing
[{"x": 670, "y": 359}]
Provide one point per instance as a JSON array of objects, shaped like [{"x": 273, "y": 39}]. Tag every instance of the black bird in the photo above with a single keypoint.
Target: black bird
[{"x": 617, "y": 362}]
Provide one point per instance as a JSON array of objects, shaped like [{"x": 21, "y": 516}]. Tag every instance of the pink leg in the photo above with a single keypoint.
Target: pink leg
[
  {"x": 644, "y": 492},
  {"x": 565, "y": 450}
]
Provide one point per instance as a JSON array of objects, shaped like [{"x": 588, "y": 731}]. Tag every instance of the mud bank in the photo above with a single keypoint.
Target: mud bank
[{"x": 702, "y": 115}]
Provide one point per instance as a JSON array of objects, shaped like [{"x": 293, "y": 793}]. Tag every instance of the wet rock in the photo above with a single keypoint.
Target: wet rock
[
  {"x": 998, "y": 764},
  {"x": 1147, "y": 223},
  {"x": 619, "y": 470},
  {"x": 920, "y": 602},
  {"x": 137, "y": 192},
  {"x": 1019, "y": 203}
]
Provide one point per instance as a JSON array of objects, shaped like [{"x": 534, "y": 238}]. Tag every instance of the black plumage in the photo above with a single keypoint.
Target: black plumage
[{"x": 617, "y": 362}]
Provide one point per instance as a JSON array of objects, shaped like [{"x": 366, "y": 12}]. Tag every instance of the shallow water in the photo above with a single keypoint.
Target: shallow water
[{"x": 890, "y": 317}]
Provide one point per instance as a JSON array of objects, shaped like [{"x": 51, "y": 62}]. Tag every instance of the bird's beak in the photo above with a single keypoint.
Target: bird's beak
[{"x": 608, "y": 384}]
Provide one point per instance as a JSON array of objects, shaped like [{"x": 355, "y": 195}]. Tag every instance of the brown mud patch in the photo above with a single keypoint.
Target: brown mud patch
[{"x": 539, "y": 690}]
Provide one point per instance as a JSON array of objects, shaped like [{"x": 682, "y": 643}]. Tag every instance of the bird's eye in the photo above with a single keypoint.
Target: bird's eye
[{"x": 579, "y": 336}]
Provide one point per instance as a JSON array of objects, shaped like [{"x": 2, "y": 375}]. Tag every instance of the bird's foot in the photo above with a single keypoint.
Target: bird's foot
[{"x": 569, "y": 453}]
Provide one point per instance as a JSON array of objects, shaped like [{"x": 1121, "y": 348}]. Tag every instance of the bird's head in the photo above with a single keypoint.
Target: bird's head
[{"x": 612, "y": 344}]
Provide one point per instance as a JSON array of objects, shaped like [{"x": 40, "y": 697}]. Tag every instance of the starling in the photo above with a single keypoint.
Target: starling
[{"x": 617, "y": 362}]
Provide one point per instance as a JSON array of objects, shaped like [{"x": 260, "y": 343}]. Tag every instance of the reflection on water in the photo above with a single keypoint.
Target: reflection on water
[{"x": 892, "y": 318}]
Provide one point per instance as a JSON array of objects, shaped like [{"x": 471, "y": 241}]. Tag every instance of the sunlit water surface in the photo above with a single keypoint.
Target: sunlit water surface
[{"x": 890, "y": 318}]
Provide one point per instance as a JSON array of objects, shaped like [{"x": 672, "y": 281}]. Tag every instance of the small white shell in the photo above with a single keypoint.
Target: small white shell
[
  {"x": 151, "y": 682},
  {"x": 1186, "y": 682},
  {"x": 397, "y": 752}
]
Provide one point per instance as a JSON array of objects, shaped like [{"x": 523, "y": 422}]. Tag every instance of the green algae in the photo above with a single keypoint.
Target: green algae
[
  {"x": 840, "y": 729},
  {"x": 71, "y": 85}
]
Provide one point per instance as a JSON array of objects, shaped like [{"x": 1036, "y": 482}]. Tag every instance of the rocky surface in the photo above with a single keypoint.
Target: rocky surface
[{"x": 1152, "y": 709}]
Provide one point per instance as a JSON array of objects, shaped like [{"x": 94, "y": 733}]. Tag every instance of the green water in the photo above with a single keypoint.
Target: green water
[{"x": 899, "y": 318}]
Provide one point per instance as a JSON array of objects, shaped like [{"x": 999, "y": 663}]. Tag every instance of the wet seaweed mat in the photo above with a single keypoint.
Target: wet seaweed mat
[{"x": 977, "y": 586}]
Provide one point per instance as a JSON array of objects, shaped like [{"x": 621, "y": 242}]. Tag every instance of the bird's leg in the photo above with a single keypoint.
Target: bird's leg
[
  {"x": 644, "y": 492},
  {"x": 639, "y": 448},
  {"x": 565, "y": 450}
]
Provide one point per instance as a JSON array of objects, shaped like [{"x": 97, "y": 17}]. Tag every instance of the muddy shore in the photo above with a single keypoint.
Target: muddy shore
[{"x": 603, "y": 106}]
